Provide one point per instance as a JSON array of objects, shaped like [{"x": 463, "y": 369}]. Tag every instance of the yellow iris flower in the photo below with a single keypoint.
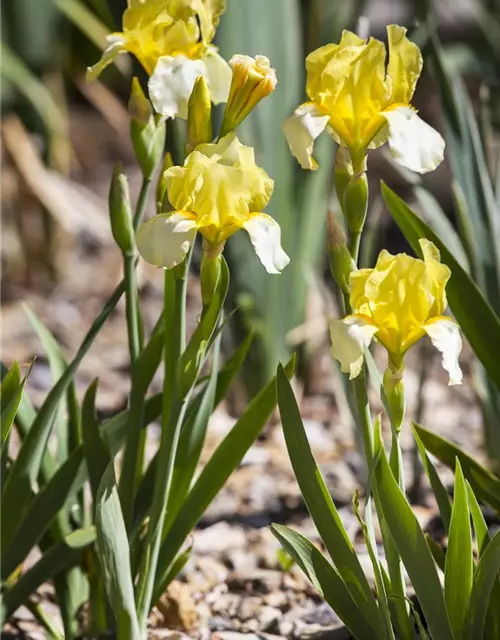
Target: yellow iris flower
[
  {"x": 363, "y": 104},
  {"x": 219, "y": 190},
  {"x": 398, "y": 302},
  {"x": 172, "y": 41}
]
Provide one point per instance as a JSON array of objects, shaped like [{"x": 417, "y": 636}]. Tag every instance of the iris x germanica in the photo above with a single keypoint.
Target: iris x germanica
[
  {"x": 172, "y": 41},
  {"x": 363, "y": 104},
  {"x": 398, "y": 302},
  {"x": 219, "y": 190}
]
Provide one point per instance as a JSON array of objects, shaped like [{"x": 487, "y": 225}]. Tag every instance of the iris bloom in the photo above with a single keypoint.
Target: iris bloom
[
  {"x": 218, "y": 191},
  {"x": 363, "y": 104},
  {"x": 398, "y": 302},
  {"x": 172, "y": 40}
]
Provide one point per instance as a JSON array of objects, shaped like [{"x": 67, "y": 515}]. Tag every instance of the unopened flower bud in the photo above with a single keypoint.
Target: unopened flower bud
[
  {"x": 253, "y": 80},
  {"x": 120, "y": 212},
  {"x": 146, "y": 131},
  {"x": 199, "y": 123},
  {"x": 394, "y": 392},
  {"x": 341, "y": 262},
  {"x": 210, "y": 270},
  {"x": 355, "y": 202}
]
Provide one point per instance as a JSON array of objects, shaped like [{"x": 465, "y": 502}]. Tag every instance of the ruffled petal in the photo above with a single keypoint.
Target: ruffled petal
[
  {"x": 218, "y": 75},
  {"x": 172, "y": 83},
  {"x": 302, "y": 129},
  {"x": 445, "y": 336},
  {"x": 265, "y": 235},
  {"x": 116, "y": 45},
  {"x": 405, "y": 64},
  {"x": 413, "y": 143},
  {"x": 165, "y": 239},
  {"x": 350, "y": 337}
]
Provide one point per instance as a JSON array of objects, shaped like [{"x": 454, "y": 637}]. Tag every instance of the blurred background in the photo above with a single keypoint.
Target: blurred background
[{"x": 62, "y": 136}]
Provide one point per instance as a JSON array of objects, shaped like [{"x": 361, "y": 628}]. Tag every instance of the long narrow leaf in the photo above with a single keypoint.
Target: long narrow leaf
[
  {"x": 458, "y": 567},
  {"x": 325, "y": 578},
  {"x": 322, "y": 508},
  {"x": 26, "y": 467},
  {"x": 486, "y": 485},
  {"x": 484, "y": 579},
  {"x": 412, "y": 546},
  {"x": 114, "y": 555},
  {"x": 223, "y": 462},
  {"x": 63, "y": 555}
]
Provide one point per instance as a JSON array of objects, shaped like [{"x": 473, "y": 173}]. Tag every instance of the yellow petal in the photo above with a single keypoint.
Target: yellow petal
[{"x": 405, "y": 65}]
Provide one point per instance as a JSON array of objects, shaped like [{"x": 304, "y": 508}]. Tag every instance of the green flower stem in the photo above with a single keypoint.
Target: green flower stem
[
  {"x": 355, "y": 240},
  {"x": 173, "y": 412},
  {"x": 133, "y": 459},
  {"x": 132, "y": 307},
  {"x": 142, "y": 202}
]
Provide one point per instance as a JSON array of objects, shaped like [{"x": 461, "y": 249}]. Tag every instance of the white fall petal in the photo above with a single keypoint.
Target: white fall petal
[
  {"x": 413, "y": 143},
  {"x": 165, "y": 239},
  {"x": 218, "y": 75},
  {"x": 301, "y": 130},
  {"x": 172, "y": 83},
  {"x": 116, "y": 45},
  {"x": 350, "y": 337},
  {"x": 445, "y": 336},
  {"x": 265, "y": 235}
]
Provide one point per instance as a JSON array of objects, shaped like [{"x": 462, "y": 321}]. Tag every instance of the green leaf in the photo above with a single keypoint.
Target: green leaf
[
  {"x": 26, "y": 467},
  {"x": 214, "y": 475},
  {"x": 96, "y": 453},
  {"x": 40, "y": 514},
  {"x": 322, "y": 508},
  {"x": 485, "y": 484},
  {"x": 414, "y": 551},
  {"x": 191, "y": 441},
  {"x": 114, "y": 556},
  {"x": 60, "y": 557},
  {"x": 459, "y": 561},
  {"x": 325, "y": 579},
  {"x": 482, "y": 541},
  {"x": 437, "y": 486},
  {"x": 11, "y": 394},
  {"x": 57, "y": 365},
  {"x": 475, "y": 316},
  {"x": 437, "y": 552},
  {"x": 484, "y": 579}
]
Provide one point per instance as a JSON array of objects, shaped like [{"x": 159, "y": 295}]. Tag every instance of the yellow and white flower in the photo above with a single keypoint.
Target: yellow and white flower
[
  {"x": 172, "y": 40},
  {"x": 398, "y": 302},
  {"x": 219, "y": 190},
  {"x": 363, "y": 104}
]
